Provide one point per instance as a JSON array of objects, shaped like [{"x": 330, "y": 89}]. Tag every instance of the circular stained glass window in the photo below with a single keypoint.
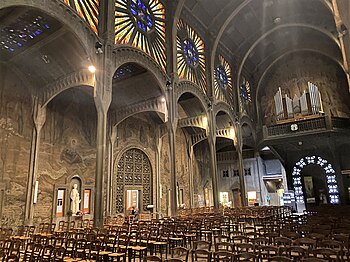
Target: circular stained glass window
[
  {"x": 142, "y": 15},
  {"x": 190, "y": 52},
  {"x": 221, "y": 77}
]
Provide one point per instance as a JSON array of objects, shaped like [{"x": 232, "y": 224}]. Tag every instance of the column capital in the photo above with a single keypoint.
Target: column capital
[
  {"x": 103, "y": 83},
  {"x": 39, "y": 117}
]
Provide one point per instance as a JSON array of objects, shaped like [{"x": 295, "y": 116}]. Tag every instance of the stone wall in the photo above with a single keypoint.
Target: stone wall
[
  {"x": 292, "y": 76},
  {"x": 140, "y": 132},
  {"x": 15, "y": 136},
  {"x": 201, "y": 174},
  {"x": 67, "y": 150},
  {"x": 254, "y": 181}
]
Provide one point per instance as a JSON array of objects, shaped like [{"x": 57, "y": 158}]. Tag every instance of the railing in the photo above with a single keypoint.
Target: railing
[
  {"x": 232, "y": 155},
  {"x": 342, "y": 123},
  {"x": 310, "y": 125}
]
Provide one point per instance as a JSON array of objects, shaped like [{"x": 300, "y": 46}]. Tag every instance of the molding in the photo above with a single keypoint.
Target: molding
[
  {"x": 151, "y": 105},
  {"x": 185, "y": 86},
  {"x": 196, "y": 121},
  {"x": 127, "y": 54},
  {"x": 222, "y": 106},
  {"x": 79, "y": 78}
]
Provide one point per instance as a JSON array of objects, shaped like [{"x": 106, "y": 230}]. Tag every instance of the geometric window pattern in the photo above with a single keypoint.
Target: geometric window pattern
[
  {"x": 23, "y": 32},
  {"x": 87, "y": 9},
  {"x": 190, "y": 55},
  {"x": 332, "y": 185},
  {"x": 134, "y": 169},
  {"x": 245, "y": 91},
  {"x": 223, "y": 80},
  {"x": 141, "y": 23}
]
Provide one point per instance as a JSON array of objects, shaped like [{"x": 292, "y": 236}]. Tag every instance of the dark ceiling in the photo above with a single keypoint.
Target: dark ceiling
[
  {"x": 271, "y": 27},
  {"x": 39, "y": 48}
]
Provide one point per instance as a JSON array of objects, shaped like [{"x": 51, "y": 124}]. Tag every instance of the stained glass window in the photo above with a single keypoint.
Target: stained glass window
[
  {"x": 245, "y": 91},
  {"x": 141, "y": 23},
  {"x": 223, "y": 81},
  {"x": 87, "y": 9},
  {"x": 190, "y": 55},
  {"x": 23, "y": 32}
]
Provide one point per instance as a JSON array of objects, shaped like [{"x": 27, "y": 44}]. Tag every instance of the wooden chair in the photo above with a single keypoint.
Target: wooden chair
[
  {"x": 296, "y": 252},
  {"x": 327, "y": 254},
  {"x": 202, "y": 244},
  {"x": 59, "y": 254},
  {"x": 266, "y": 252},
  {"x": 47, "y": 253},
  {"x": 173, "y": 260},
  {"x": 153, "y": 259},
  {"x": 247, "y": 256},
  {"x": 313, "y": 259},
  {"x": 180, "y": 253},
  {"x": 224, "y": 246},
  {"x": 280, "y": 259},
  {"x": 226, "y": 256},
  {"x": 201, "y": 255}
]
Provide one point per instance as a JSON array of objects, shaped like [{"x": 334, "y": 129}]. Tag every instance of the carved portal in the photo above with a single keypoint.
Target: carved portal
[{"x": 133, "y": 170}]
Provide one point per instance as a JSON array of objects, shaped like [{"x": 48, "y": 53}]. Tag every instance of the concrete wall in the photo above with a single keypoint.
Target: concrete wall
[
  {"x": 253, "y": 182},
  {"x": 15, "y": 136}
]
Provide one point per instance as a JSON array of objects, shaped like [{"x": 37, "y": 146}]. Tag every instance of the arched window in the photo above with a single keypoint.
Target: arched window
[
  {"x": 87, "y": 9},
  {"x": 141, "y": 23},
  {"x": 190, "y": 55},
  {"x": 223, "y": 81}
]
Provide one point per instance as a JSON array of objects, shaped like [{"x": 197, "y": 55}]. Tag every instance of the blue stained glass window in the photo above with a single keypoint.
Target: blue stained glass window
[
  {"x": 24, "y": 29},
  {"x": 190, "y": 52},
  {"x": 221, "y": 77},
  {"x": 142, "y": 15}
]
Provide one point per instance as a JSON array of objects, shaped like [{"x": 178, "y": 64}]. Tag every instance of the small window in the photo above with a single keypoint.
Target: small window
[
  {"x": 235, "y": 173},
  {"x": 247, "y": 172},
  {"x": 60, "y": 203},
  {"x": 225, "y": 173},
  {"x": 87, "y": 200}
]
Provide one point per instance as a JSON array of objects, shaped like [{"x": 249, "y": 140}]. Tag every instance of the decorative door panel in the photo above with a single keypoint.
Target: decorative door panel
[{"x": 134, "y": 169}]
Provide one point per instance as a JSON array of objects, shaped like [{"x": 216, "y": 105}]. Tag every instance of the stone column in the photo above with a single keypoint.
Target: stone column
[
  {"x": 239, "y": 147},
  {"x": 110, "y": 171},
  {"x": 211, "y": 131},
  {"x": 39, "y": 118},
  {"x": 102, "y": 98},
  {"x": 158, "y": 155},
  {"x": 172, "y": 126},
  {"x": 190, "y": 173}
]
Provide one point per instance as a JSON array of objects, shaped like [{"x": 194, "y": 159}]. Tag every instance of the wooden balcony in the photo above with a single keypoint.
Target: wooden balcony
[{"x": 319, "y": 124}]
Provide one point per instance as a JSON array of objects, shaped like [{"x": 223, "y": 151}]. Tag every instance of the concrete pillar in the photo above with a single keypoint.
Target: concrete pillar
[
  {"x": 172, "y": 126},
  {"x": 102, "y": 98},
  {"x": 158, "y": 182},
  {"x": 39, "y": 118},
  {"x": 239, "y": 147},
  {"x": 190, "y": 174},
  {"x": 100, "y": 166},
  {"x": 212, "y": 148},
  {"x": 110, "y": 170}
]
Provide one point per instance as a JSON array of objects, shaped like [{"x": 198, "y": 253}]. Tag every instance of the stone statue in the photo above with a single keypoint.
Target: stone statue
[{"x": 74, "y": 196}]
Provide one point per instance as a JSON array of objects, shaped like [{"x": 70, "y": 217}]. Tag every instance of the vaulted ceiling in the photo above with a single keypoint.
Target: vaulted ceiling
[{"x": 256, "y": 33}]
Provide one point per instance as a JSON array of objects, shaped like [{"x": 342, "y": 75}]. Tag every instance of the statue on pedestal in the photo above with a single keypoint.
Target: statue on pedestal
[{"x": 74, "y": 196}]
